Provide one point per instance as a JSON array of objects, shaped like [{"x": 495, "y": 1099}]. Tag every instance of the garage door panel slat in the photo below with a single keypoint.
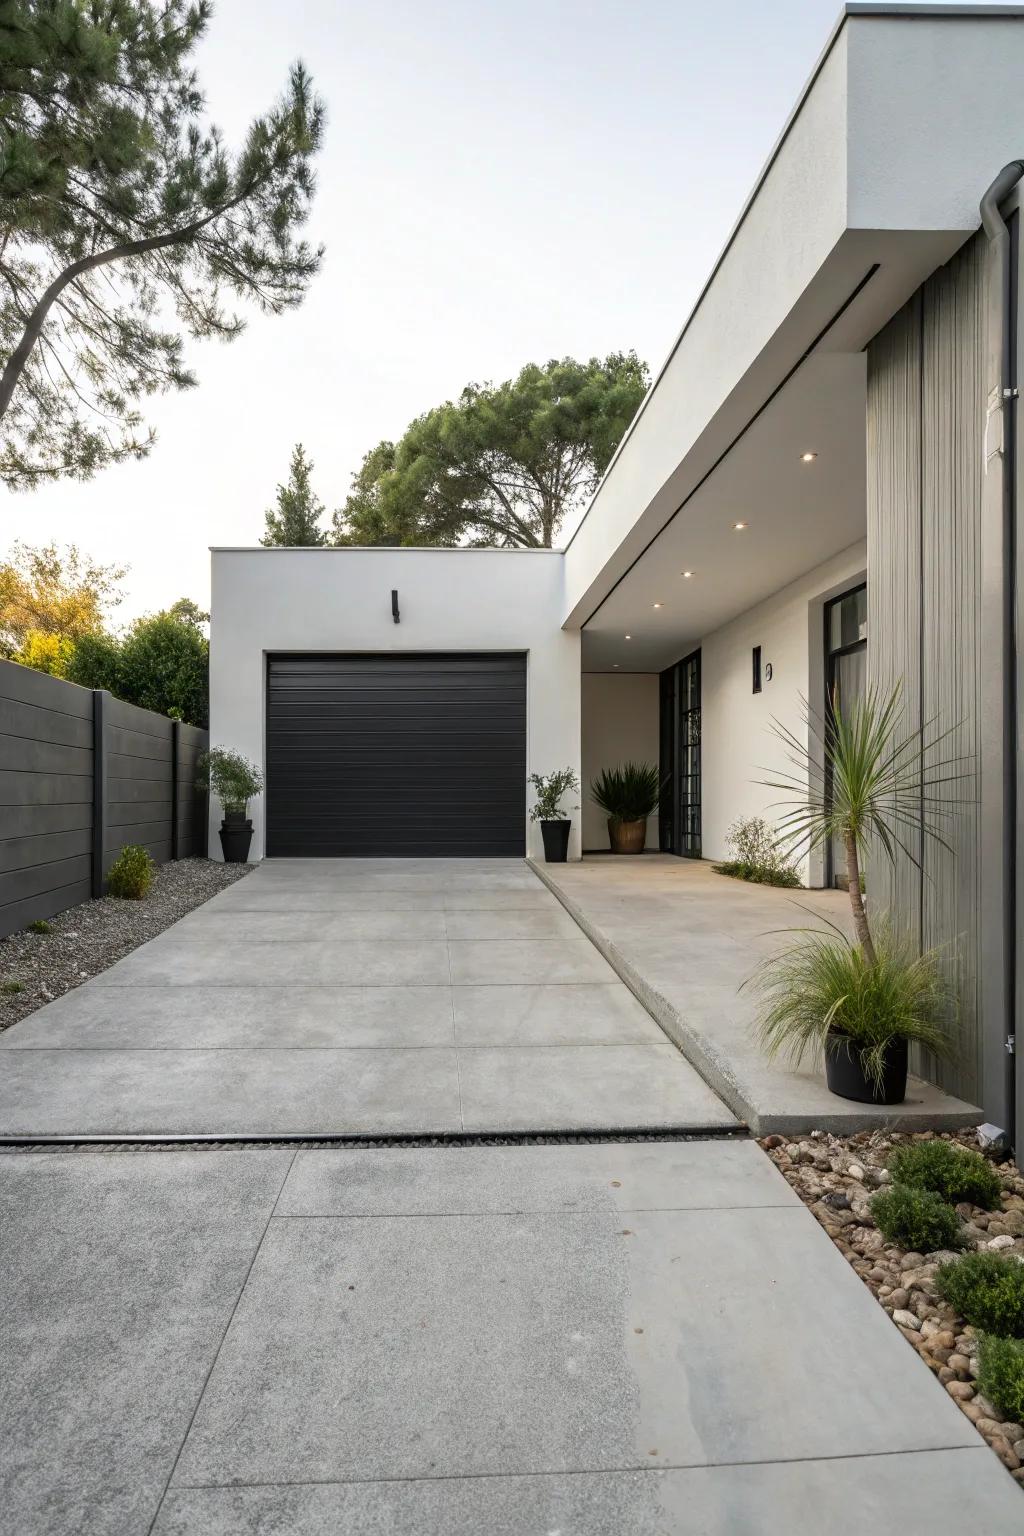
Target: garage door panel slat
[{"x": 407, "y": 756}]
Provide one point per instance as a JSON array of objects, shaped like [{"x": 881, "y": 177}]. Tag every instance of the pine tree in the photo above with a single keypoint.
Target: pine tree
[
  {"x": 295, "y": 520},
  {"x": 126, "y": 223}
]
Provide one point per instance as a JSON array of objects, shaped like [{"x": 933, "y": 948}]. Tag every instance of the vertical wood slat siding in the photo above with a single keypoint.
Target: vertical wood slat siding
[
  {"x": 47, "y": 813},
  {"x": 925, "y": 422}
]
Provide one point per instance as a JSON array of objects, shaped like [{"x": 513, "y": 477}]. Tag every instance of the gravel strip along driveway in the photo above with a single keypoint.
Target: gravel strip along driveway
[{"x": 88, "y": 938}]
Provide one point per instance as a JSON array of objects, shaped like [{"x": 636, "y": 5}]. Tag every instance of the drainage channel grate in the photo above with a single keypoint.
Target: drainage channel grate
[{"x": 356, "y": 1143}]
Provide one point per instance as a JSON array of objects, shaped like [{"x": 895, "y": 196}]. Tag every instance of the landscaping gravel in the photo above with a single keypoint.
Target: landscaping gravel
[
  {"x": 88, "y": 938},
  {"x": 836, "y": 1177}
]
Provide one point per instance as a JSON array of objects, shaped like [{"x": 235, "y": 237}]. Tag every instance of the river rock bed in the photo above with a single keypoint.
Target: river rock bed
[{"x": 836, "y": 1177}]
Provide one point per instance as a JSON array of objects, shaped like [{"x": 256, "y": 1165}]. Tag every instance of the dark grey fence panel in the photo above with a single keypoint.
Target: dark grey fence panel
[{"x": 60, "y": 829}]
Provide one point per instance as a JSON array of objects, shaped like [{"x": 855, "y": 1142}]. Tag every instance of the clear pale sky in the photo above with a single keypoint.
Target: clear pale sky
[{"x": 501, "y": 183}]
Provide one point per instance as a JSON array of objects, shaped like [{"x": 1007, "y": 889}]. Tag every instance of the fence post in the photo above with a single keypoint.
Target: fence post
[
  {"x": 175, "y": 781},
  {"x": 99, "y": 786}
]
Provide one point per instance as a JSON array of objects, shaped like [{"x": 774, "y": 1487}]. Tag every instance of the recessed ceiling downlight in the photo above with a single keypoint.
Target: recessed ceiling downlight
[
  {"x": 688, "y": 574},
  {"x": 808, "y": 457},
  {"x": 739, "y": 527}
]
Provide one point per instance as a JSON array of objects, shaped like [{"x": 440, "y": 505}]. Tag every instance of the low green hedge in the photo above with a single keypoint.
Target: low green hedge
[
  {"x": 954, "y": 1172},
  {"x": 1001, "y": 1375},
  {"x": 987, "y": 1289},
  {"x": 917, "y": 1219}
]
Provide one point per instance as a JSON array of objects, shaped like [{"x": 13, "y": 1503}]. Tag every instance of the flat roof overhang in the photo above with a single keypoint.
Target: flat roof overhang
[{"x": 874, "y": 184}]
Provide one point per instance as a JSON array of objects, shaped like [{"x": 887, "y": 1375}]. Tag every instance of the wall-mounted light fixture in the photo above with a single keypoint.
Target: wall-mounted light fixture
[{"x": 394, "y": 605}]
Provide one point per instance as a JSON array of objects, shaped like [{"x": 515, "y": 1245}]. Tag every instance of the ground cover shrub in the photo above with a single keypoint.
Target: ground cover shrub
[
  {"x": 131, "y": 874},
  {"x": 956, "y": 1173},
  {"x": 40, "y": 926},
  {"x": 917, "y": 1219},
  {"x": 1001, "y": 1375},
  {"x": 11, "y": 988},
  {"x": 756, "y": 855},
  {"x": 987, "y": 1289}
]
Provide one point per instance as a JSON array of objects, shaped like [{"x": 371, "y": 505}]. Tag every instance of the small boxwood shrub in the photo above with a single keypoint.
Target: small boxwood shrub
[
  {"x": 11, "y": 988},
  {"x": 916, "y": 1219},
  {"x": 1001, "y": 1375},
  {"x": 40, "y": 926},
  {"x": 131, "y": 874},
  {"x": 987, "y": 1289},
  {"x": 954, "y": 1172}
]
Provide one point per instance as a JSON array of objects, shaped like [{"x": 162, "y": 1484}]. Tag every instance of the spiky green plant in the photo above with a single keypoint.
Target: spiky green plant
[
  {"x": 629, "y": 793},
  {"x": 884, "y": 787},
  {"x": 824, "y": 983}
]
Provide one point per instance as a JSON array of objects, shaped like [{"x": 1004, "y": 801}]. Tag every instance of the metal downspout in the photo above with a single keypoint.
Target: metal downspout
[{"x": 997, "y": 732}]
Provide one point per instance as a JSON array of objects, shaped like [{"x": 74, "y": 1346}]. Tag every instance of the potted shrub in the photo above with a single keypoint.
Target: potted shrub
[
  {"x": 627, "y": 795},
  {"x": 554, "y": 827},
  {"x": 860, "y": 1003},
  {"x": 235, "y": 781}
]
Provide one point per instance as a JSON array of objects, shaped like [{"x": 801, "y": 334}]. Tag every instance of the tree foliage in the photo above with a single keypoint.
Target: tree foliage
[
  {"x": 162, "y": 663},
  {"x": 125, "y": 221},
  {"x": 60, "y": 593},
  {"x": 503, "y": 465},
  {"x": 296, "y": 518}
]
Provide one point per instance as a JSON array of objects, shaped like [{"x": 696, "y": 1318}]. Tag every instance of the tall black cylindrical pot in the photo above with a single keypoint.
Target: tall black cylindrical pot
[
  {"x": 235, "y": 837},
  {"x": 845, "y": 1075},
  {"x": 556, "y": 840}
]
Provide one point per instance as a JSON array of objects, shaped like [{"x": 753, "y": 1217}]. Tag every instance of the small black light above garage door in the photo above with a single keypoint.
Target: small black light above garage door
[{"x": 400, "y": 756}]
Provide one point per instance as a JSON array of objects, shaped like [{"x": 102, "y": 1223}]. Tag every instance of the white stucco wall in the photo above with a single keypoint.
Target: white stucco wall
[
  {"x": 340, "y": 600},
  {"x": 738, "y": 747},
  {"x": 620, "y": 723}
]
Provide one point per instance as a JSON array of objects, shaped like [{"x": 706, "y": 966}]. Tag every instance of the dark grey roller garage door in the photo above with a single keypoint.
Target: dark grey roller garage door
[{"x": 407, "y": 756}]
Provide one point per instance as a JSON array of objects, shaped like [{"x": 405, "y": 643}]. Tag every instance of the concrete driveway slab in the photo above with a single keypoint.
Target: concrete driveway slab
[
  {"x": 586, "y": 1013},
  {"x": 239, "y": 1018},
  {"x": 326, "y": 927},
  {"x": 603, "y": 1340},
  {"x": 624, "y": 1176},
  {"x": 501, "y": 962},
  {"x": 118, "y": 1277},
  {"x": 258, "y": 1019},
  {"x": 173, "y": 962},
  {"x": 886, "y": 1495},
  {"x": 579, "y": 1086},
  {"x": 295, "y": 1092}
]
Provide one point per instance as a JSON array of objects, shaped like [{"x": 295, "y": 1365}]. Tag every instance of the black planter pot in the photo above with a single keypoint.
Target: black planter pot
[
  {"x": 235, "y": 837},
  {"x": 845, "y": 1076},
  {"x": 556, "y": 840}
]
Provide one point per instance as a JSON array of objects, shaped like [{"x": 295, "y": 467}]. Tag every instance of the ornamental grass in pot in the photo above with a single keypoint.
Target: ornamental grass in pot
[
  {"x": 235, "y": 781},
  {"x": 860, "y": 1003},
  {"x": 627, "y": 795}
]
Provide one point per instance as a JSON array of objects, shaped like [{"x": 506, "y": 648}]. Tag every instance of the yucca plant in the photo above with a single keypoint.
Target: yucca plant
[
  {"x": 629, "y": 793},
  {"x": 861, "y": 1002},
  {"x": 887, "y": 790}
]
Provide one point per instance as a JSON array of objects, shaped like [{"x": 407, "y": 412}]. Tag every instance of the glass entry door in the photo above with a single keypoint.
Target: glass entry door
[
  {"x": 846, "y": 680},
  {"x": 679, "y": 816}
]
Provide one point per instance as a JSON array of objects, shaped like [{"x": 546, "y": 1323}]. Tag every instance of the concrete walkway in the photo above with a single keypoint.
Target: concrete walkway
[
  {"x": 616, "y": 1340},
  {"x": 685, "y": 939},
  {"x": 357, "y": 997}
]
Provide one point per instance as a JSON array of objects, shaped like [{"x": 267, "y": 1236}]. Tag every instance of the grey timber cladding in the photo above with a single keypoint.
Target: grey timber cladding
[
  {"x": 925, "y": 429},
  {"x": 47, "y": 811}
]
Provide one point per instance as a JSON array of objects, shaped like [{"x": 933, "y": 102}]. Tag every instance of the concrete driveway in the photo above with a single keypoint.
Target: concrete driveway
[
  {"x": 602, "y": 1340},
  {"x": 366, "y": 996}
]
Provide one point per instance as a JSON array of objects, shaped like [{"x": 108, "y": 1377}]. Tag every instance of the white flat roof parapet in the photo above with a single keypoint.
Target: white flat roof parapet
[
  {"x": 372, "y": 549},
  {"x": 873, "y": 183}
]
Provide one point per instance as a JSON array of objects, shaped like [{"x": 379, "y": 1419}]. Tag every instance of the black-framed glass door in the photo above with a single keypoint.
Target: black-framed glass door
[
  {"x": 846, "y": 681},
  {"x": 679, "y": 818}
]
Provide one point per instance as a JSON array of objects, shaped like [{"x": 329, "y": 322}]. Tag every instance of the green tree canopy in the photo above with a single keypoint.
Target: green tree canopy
[
  {"x": 296, "y": 518},
  {"x": 501, "y": 466},
  {"x": 161, "y": 663},
  {"x": 125, "y": 221}
]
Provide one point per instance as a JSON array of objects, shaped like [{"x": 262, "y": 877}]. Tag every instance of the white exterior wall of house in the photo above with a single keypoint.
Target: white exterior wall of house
[
  {"x": 278, "y": 600},
  {"x": 736, "y": 737},
  {"x": 620, "y": 723}
]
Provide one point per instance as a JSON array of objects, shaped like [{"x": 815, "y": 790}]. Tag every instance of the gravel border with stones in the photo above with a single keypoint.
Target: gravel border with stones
[
  {"x": 88, "y": 938},
  {"x": 836, "y": 1176}
]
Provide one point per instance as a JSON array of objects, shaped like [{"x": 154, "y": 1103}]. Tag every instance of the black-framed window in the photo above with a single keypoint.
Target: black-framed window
[
  {"x": 680, "y": 812},
  {"x": 846, "y": 667}
]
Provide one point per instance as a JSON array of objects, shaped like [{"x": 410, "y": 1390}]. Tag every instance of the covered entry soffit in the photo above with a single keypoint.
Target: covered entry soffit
[{"x": 796, "y": 513}]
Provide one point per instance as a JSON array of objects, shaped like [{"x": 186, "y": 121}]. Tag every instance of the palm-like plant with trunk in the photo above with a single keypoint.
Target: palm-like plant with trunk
[{"x": 865, "y": 781}]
